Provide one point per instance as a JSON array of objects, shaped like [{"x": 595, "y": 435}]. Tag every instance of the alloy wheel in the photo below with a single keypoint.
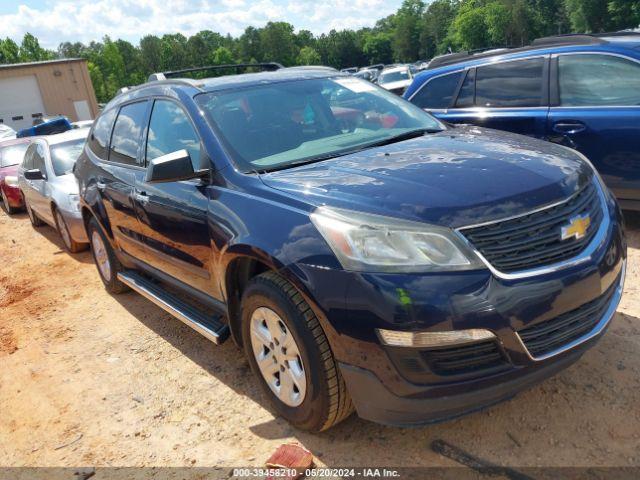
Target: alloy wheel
[
  {"x": 101, "y": 256},
  {"x": 278, "y": 356}
]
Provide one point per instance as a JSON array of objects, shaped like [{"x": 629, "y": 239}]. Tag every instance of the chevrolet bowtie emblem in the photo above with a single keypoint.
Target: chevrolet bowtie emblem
[{"x": 577, "y": 227}]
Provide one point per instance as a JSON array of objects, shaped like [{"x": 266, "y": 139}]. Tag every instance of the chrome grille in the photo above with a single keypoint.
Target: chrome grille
[{"x": 534, "y": 240}]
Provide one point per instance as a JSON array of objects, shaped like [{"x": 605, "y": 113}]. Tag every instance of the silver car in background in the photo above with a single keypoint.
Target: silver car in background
[{"x": 49, "y": 188}]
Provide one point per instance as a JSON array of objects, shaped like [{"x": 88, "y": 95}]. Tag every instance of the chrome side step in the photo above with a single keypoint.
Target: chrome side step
[{"x": 209, "y": 326}]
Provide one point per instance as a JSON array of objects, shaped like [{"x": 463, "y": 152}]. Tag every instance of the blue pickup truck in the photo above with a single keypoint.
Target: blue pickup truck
[{"x": 582, "y": 91}]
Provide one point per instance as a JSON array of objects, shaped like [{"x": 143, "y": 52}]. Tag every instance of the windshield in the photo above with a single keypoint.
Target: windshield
[
  {"x": 7, "y": 132},
  {"x": 396, "y": 76},
  {"x": 12, "y": 155},
  {"x": 274, "y": 126},
  {"x": 64, "y": 155}
]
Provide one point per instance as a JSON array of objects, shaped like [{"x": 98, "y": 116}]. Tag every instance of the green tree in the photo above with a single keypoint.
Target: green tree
[
  {"x": 98, "y": 82},
  {"x": 249, "y": 45},
  {"x": 588, "y": 15},
  {"x": 469, "y": 30},
  {"x": 377, "y": 48},
  {"x": 406, "y": 38},
  {"x": 9, "y": 51},
  {"x": 31, "y": 51},
  {"x": 309, "y": 56},
  {"x": 151, "y": 54},
  {"x": 624, "y": 13},
  {"x": 222, "y": 56},
  {"x": 173, "y": 51},
  {"x": 436, "y": 22},
  {"x": 278, "y": 44}
]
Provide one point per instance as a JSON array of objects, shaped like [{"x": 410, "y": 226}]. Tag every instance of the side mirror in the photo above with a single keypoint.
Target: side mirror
[
  {"x": 33, "y": 174},
  {"x": 171, "y": 167}
]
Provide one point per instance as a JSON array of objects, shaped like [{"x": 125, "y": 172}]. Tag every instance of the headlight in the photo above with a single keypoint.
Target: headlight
[
  {"x": 74, "y": 202},
  {"x": 364, "y": 242},
  {"x": 11, "y": 181}
]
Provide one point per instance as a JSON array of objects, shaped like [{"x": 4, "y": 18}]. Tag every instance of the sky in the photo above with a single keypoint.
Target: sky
[{"x": 55, "y": 21}]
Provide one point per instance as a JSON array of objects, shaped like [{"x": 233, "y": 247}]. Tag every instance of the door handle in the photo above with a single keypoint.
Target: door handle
[
  {"x": 141, "y": 197},
  {"x": 569, "y": 127}
]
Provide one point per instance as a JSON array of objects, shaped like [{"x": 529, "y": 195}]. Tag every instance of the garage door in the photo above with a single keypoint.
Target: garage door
[{"x": 20, "y": 100}]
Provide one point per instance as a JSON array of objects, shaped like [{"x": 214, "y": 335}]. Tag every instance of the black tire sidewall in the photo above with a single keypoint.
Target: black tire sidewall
[
  {"x": 111, "y": 283},
  {"x": 311, "y": 414},
  {"x": 71, "y": 247},
  {"x": 33, "y": 217}
]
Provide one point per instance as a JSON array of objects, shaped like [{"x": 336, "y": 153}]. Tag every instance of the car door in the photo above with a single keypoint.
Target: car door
[
  {"x": 596, "y": 110},
  {"x": 27, "y": 164},
  {"x": 120, "y": 172},
  {"x": 174, "y": 214},
  {"x": 508, "y": 95},
  {"x": 39, "y": 189}
]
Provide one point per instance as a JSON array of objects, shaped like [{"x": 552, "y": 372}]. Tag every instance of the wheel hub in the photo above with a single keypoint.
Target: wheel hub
[
  {"x": 101, "y": 256},
  {"x": 278, "y": 356}
]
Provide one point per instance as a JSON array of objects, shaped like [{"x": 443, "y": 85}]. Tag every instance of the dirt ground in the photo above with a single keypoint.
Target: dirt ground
[{"x": 92, "y": 379}]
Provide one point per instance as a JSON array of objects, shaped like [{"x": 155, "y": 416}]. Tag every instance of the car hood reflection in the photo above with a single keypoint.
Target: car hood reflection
[{"x": 457, "y": 177}]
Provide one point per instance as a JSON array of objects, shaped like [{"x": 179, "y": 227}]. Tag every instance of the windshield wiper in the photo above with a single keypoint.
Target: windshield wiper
[
  {"x": 309, "y": 160},
  {"x": 419, "y": 132},
  {"x": 386, "y": 141}
]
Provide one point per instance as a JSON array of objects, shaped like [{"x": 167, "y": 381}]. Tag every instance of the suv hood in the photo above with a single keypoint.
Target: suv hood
[{"x": 461, "y": 176}]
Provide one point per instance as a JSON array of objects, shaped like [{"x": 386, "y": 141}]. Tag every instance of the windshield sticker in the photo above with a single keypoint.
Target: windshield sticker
[{"x": 355, "y": 85}]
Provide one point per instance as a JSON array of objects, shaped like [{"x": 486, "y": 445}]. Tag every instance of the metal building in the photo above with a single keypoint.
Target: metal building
[{"x": 55, "y": 87}]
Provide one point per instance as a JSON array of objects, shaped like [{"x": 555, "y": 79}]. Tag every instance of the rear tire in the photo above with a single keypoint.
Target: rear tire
[
  {"x": 270, "y": 304},
  {"x": 8, "y": 208},
  {"x": 105, "y": 258},
  {"x": 69, "y": 243},
  {"x": 33, "y": 216}
]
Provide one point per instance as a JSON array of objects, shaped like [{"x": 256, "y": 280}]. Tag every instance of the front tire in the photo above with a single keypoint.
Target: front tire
[
  {"x": 105, "y": 258},
  {"x": 289, "y": 353},
  {"x": 69, "y": 243}
]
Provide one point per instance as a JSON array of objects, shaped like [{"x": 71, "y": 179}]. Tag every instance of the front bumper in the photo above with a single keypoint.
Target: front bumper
[
  {"x": 401, "y": 385},
  {"x": 75, "y": 224}
]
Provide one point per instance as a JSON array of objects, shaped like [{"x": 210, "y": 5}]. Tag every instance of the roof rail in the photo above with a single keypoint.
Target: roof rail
[
  {"x": 447, "y": 59},
  {"x": 267, "y": 66},
  {"x": 569, "y": 39}
]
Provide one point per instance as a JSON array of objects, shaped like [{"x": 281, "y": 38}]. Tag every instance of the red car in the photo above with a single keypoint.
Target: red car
[{"x": 11, "y": 155}]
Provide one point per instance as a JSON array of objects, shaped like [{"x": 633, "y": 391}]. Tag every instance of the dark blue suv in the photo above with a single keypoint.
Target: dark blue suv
[
  {"x": 582, "y": 91},
  {"x": 365, "y": 255}
]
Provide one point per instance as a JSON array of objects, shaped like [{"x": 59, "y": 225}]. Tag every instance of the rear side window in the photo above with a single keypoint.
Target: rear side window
[
  {"x": 437, "y": 92},
  {"x": 127, "y": 131},
  {"x": 508, "y": 84},
  {"x": 598, "y": 80},
  {"x": 100, "y": 134},
  {"x": 467, "y": 95},
  {"x": 13, "y": 154},
  {"x": 170, "y": 130}
]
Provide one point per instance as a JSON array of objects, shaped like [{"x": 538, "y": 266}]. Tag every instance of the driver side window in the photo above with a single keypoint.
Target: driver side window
[{"x": 170, "y": 130}]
